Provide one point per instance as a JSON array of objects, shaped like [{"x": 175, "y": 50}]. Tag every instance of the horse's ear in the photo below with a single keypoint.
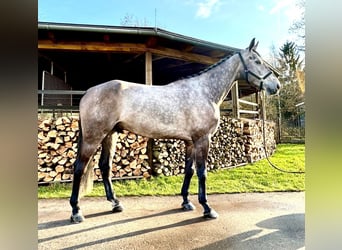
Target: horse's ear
[
  {"x": 256, "y": 46},
  {"x": 252, "y": 44}
]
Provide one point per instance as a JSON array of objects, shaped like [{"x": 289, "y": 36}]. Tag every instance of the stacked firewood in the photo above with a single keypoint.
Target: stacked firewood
[
  {"x": 236, "y": 142},
  {"x": 57, "y": 145},
  {"x": 227, "y": 145},
  {"x": 255, "y": 148},
  {"x": 57, "y": 149},
  {"x": 168, "y": 157},
  {"x": 130, "y": 159}
]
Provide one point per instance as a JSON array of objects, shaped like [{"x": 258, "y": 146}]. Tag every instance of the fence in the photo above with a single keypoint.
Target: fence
[{"x": 290, "y": 126}]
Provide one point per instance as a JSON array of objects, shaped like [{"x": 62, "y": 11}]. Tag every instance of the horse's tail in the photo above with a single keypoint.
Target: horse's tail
[{"x": 87, "y": 179}]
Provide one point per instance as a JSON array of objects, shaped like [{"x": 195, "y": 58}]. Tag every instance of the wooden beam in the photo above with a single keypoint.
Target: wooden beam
[
  {"x": 186, "y": 56},
  {"x": 125, "y": 47},
  {"x": 92, "y": 46}
]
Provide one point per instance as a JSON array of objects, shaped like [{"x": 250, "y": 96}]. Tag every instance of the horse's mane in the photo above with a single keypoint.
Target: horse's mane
[{"x": 208, "y": 68}]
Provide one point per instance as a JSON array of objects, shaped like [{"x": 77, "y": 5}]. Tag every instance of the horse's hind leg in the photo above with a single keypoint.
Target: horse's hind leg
[
  {"x": 189, "y": 172},
  {"x": 105, "y": 164},
  {"x": 83, "y": 158}
]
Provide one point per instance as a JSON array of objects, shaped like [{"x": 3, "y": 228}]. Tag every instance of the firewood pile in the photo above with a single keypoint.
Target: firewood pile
[
  {"x": 57, "y": 145},
  {"x": 130, "y": 157},
  {"x": 57, "y": 149},
  {"x": 236, "y": 142}
]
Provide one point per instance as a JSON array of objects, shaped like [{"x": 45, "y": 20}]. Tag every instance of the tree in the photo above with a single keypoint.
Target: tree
[
  {"x": 298, "y": 26},
  {"x": 131, "y": 20},
  {"x": 289, "y": 64}
]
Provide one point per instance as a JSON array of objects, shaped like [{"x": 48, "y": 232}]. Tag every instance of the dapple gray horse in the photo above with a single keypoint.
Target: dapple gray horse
[{"x": 186, "y": 109}]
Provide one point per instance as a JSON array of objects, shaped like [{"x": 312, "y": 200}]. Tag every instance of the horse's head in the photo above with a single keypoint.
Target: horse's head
[{"x": 255, "y": 72}]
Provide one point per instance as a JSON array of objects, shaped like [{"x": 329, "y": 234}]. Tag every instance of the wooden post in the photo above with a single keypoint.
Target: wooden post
[
  {"x": 235, "y": 100},
  {"x": 148, "y": 81},
  {"x": 148, "y": 68},
  {"x": 263, "y": 104},
  {"x": 257, "y": 101}
]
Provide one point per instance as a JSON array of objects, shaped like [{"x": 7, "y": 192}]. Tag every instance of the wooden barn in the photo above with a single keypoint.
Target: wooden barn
[{"x": 74, "y": 57}]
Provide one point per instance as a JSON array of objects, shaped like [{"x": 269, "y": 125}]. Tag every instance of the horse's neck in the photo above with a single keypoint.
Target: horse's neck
[{"x": 220, "y": 79}]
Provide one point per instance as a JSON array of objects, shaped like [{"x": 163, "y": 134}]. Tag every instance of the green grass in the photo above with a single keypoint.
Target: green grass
[{"x": 256, "y": 177}]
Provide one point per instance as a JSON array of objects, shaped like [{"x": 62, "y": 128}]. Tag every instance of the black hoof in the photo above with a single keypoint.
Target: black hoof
[
  {"x": 188, "y": 206},
  {"x": 117, "y": 208},
  {"x": 211, "y": 214},
  {"x": 77, "y": 218}
]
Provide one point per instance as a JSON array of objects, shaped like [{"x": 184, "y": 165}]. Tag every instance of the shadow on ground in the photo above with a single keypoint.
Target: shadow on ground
[{"x": 289, "y": 234}]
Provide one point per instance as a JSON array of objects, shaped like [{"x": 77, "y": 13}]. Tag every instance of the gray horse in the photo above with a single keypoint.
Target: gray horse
[{"x": 187, "y": 109}]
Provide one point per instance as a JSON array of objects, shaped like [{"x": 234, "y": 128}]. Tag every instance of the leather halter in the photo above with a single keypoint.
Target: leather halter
[{"x": 247, "y": 71}]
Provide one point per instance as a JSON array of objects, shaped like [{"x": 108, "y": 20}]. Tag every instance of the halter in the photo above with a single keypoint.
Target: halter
[{"x": 247, "y": 71}]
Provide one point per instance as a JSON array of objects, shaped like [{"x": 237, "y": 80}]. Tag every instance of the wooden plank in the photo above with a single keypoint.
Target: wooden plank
[
  {"x": 248, "y": 103},
  {"x": 248, "y": 111},
  {"x": 125, "y": 47}
]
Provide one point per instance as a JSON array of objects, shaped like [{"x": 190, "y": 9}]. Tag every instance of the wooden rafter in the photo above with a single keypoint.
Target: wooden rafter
[{"x": 125, "y": 47}]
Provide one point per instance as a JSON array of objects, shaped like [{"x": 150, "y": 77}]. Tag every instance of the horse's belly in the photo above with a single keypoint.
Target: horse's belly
[{"x": 157, "y": 130}]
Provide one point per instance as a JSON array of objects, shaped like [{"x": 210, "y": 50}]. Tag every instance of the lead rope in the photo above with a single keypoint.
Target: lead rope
[{"x": 263, "y": 100}]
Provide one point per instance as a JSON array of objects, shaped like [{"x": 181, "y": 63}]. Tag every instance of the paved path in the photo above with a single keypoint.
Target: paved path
[{"x": 246, "y": 221}]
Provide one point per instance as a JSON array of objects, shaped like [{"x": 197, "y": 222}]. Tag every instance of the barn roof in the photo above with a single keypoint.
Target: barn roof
[{"x": 91, "y": 54}]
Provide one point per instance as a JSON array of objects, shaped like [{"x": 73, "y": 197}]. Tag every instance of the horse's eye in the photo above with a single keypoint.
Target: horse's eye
[{"x": 258, "y": 62}]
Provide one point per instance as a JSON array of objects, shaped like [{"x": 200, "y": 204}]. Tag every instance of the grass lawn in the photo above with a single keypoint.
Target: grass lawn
[{"x": 256, "y": 177}]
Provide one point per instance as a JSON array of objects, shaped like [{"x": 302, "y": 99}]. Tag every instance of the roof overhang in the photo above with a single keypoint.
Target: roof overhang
[{"x": 91, "y": 54}]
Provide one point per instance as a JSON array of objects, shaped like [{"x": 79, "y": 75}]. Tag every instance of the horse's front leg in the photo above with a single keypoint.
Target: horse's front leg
[
  {"x": 202, "y": 148},
  {"x": 189, "y": 172},
  {"x": 105, "y": 165}
]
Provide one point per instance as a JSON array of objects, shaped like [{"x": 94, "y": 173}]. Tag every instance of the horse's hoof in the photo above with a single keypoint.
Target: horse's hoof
[
  {"x": 77, "y": 218},
  {"x": 117, "y": 208},
  {"x": 188, "y": 206},
  {"x": 211, "y": 214}
]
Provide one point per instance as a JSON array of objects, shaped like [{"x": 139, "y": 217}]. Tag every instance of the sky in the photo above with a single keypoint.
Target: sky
[{"x": 228, "y": 22}]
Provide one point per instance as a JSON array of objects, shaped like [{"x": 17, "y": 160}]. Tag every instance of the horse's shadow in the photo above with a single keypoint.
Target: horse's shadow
[
  {"x": 62, "y": 223},
  {"x": 289, "y": 233}
]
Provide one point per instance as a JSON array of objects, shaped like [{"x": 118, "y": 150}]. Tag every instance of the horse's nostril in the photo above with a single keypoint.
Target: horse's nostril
[{"x": 278, "y": 86}]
